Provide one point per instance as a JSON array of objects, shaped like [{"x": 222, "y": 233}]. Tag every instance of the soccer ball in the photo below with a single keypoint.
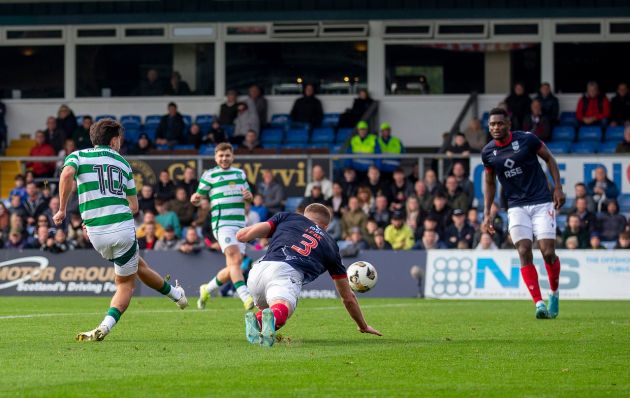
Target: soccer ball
[{"x": 362, "y": 276}]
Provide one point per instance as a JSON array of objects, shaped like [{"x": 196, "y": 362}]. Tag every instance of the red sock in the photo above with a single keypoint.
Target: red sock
[
  {"x": 259, "y": 318},
  {"x": 281, "y": 313},
  {"x": 530, "y": 277},
  {"x": 553, "y": 272}
]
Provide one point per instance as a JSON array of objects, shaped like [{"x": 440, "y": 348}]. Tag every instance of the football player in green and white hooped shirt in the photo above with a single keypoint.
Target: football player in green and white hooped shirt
[
  {"x": 228, "y": 190},
  {"x": 107, "y": 201}
]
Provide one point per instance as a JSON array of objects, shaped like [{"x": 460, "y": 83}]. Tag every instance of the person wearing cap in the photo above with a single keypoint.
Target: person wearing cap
[
  {"x": 170, "y": 131},
  {"x": 459, "y": 231},
  {"x": 389, "y": 144},
  {"x": 398, "y": 234},
  {"x": 142, "y": 147},
  {"x": 363, "y": 143}
]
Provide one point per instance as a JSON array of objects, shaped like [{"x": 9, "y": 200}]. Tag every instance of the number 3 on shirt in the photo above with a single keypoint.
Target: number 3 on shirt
[{"x": 308, "y": 246}]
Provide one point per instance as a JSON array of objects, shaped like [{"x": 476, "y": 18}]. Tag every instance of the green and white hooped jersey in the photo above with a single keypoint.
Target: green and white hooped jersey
[
  {"x": 104, "y": 180},
  {"x": 223, "y": 187}
]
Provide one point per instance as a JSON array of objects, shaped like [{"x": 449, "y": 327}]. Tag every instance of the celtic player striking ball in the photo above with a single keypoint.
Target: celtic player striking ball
[{"x": 362, "y": 276}]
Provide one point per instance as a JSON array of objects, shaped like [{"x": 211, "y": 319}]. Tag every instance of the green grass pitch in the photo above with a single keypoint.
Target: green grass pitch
[{"x": 429, "y": 348}]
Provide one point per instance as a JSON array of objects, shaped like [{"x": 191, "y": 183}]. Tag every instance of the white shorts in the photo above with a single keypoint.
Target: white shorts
[
  {"x": 119, "y": 247},
  {"x": 525, "y": 222},
  {"x": 273, "y": 280},
  {"x": 226, "y": 236}
]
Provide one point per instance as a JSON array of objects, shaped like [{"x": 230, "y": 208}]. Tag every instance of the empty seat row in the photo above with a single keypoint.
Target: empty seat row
[
  {"x": 586, "y": 147},
  {"x": 322, "y": 135},
  {"x": 283, "y": 121},
  {"x": 587, "y": 134}
]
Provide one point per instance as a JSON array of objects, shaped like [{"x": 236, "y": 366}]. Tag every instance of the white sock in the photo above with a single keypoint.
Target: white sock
[
  {"x": 213, "y": 285},
  {"x": 175, "y": 294},
  {"x": 108, "y": 322},
  {"x": 243, "y": 292}
]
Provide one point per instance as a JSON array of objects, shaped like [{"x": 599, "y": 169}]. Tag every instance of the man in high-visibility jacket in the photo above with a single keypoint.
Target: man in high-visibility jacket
[
  {"x": 389, "y": 144},
  {"x": 363, "y": 143}
]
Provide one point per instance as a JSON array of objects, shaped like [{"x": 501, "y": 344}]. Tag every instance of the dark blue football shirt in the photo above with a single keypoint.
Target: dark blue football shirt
[
  {"x": 516, "y": 165},
  {"x": 297, "y": 241}
]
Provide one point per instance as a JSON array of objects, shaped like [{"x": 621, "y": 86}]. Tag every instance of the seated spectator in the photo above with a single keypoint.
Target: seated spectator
[
  {"x": 611, "y": 223},
  {"x": 353, "y": 217},
  {"x": 424, "y": 197},
  {"x": 149, "y": 240},
  {"x": 582, "y": 192},
  {"x": 349, "y": 184},
  {"x": 593, "y": 108},
  {"x": 250, "y": 142},
  {"x": 319, "y": 177},
  {"x": 475, "y": 135},
  {"x": 149, "y": 218},
  {"x": 251, "y": 217},
  {"x": 194, "y": 136},
  {"x": 246, "y": 120},
  {"x": 624, "y": 146},
  {"x": 456, "y": 199},
  {"x": 623, "y": 243},
  {"x": 497, "y": 222},
  {"x": 366, "y": 202},
  {"x": 19, "y": 188},
  {"x": 41, "y": 238},
  {"x": 191, "y": 244},
  {"x": 601, "y": 187},
  {"x": 518, "y": 104},
  {"x": 258, "y": 206},
  {"x": 440, "y": 210},
  {"x": 272, "y": 192},
  {"x": 41, "y": 148},
  {"x": 620, "y": 106},
  {"x": 588, "y": 219},
  {"x": 68, "y": 148},
  {"x": 202, "y": 215},
  {"x": 549, "y": 103},
  {"x": 169, "y": 241},
  {"x": 5, "y": 223},
  {"x": 177, "y": 86},
  {"x": 152, "y": 86},
  {"x": 29, "y": 176},
  {"x": 170, "y": 131},
  {"x": 334, "y": 226},
  {"x": 58, "y": 243},
  {"x": 216, "y": 134},
  {"x": 53, "y": 208},
  {"x": 430, "y": 240},
  {"x": 375, "y": 182},
  {"x": 167, "y": 218},
  {"x": 356, "y": 241},
  {"x": 363, "y": 143},
  {"x": 17, "y": 208},
  {"x": 459, "y": 231},
  {"x": 229, "y": 109},
  {"x": 370, "y": 229},
  {"x": 308, "y": 108},
  {"x": 165, "y": 188},
  {"x": 572, "y": 243},
  {"x": 389, "y": 144},
  {"x": 414, "y": 175},
  {"x": 189, "y": 182},
  {"x": 486, "y": 243},
  {"x": 81, "y": 135},
  {"x": 537, "y": 123},
  {"x": 574, "y": 228},
  {"x": 256, "y": 101},
  {"x": 458, "y": 148},
  {"x": 463, "y": 182},
  {"x": 181, "y": 206},
  {"x": 338, "y": 200},
  {"x": 316, "y": 196},
  {"x": 399, "y": 190},
  {"x": 54, "y": 135},
  {"x": 142, "y": 147},
  {"x": 381, "y": 213},
  {"x": 35, "y": 203},
  {"x": 379, "y": 241},
  {"x": 414, "y": 215},
  {"x": 431, "y": 182},
  {"x": 472, "y": 218},
  {"x": 66, "y": 120},
  {"x": 595, "y": 242},
  {"x": 76, "y": 234},
  {"x": 16, "y": 241},
  {"x": 360, "y": 105},
  {"x": 398, "y": 234}
]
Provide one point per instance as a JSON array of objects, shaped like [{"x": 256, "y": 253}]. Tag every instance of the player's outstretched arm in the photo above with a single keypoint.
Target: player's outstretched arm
[
  {"x": 259, "y": 230},
  {"x": 552, "y": 165},
  {"x": 65, "y": 190},
  {"x": 352, "y": 306},
  {"x": 490, "y": 189}
]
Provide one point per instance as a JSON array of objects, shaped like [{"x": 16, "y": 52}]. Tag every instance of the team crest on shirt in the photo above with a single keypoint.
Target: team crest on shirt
[
  {"x": 227, "y": 239},
  {"x": 494, "y": 152},
  {"x": 515, "y": 146}
]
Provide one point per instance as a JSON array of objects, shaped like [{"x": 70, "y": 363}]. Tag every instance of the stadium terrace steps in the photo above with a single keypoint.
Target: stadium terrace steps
[{"x": 9, "y": 169}]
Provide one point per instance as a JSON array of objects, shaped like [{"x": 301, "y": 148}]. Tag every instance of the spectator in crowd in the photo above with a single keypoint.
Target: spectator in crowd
[
  {"x": 16, "y": 206},
  {"x": 251, "y": 217},
  {"x": 363, "y": 143},
  {"x": 338, "y": 200},
  {"x": 518, "y": 105},
  {"x": 400, "y": 190},
  {"x": 202, "y": 215},
  {"x": 272, "y": 192},
  {"x": 381, "y": 213},
  {"x": 258, "y": 206},
  {"x": 574, "y": 228},
  {"x": 181, "y": 206},
  {"x": 149, "y": 240},
  {"x": 475, "y": 135},
  {"x": 601, "y": 187},
  {"x": 5, "y": 222},
  {"x": 548, "y": 102},
  {"x": 624, "y": 146},
  {"x": 370, "y": 229},
  {"x": 620, "y": 106},
  {"x": 334, "y": 227},
  {"x": 455, "y": 197},
  {"x": 537, "y": 123},
  {"x": 350, "y": 184},
  {"x": 76, "y": 234},
  {"x": 29, "y": 176},
  {"x": 582, "y": 192},
  {"x": 40, "y": 239},
  {"x": 41, "y": 148},
  {"x": 353, "y": 217},
  {"x": 379, "y": 241},
  {"x": 611, "y": 223},
  {"x": 53, "y": 208},
  {"x": 250, "y": 142},
  {"x": 151, "y": 86},
  {"x": 81, "y": 135},
  {"x": 177, "y": 86},
  {"x": 595, "y": 242},
  {"x": 430, "y": 240},
  {"x": 366, "y": 202},
  {"x": 316, "y": 196},
  {"x": 318, "y": 176},
  {"x": 166, "y": 217},
  {"x": 467, "y": 187},
  {"x": 58, "y": 243},
  {"x": 53, "y": 135},
  {"x": 472, "y": 218},
  {"x": 170, "y": 131},
  {"x": 486, "y": 242},
  {"x": 149, "y": 218},
  {"x": 423, "y": 195},
  {"x": 194, "y": 136},
  {"x": 389, "y": 144},
  {"x": 360, "y": 105},
  {"x": 67, "y": 149},
  {"x": 18, "y": 188},
  {"x": 142, "y": 147},
  {"x": 355, "y": 243},
  {"x": 169, "y": 241},
  {"x": 458, "y": 148},
  {"x": 414, "y": 215},
  {"x": 191, "y": 244},
  {"x": 497, "y": 222},
  {"x": 431, "y": 182},
  {"x": 308, "y": 108},
  {"x": 588, "y": 220},
  {"x": 189, "y": 182},
  {"x": 459, "y": 231},
  {"x": 256, "y": 101},
  {"x": 441, "y": 210},
  {"x": 229, "y": 109},
  {"x": 414, "y": 175},
  {"x": 623, "y": 242},
  {"x": 216, "y": 134},
  {"x": 375, "y": 182},
  {"x": 16, "y": 241},
  {"x": 246, "y": 120},
  {"x": 66, "y": 120},
  {"x": 398, "y": 234},
  {"x": 593, "y": 108},
  {"x": 165, "y": 188}
]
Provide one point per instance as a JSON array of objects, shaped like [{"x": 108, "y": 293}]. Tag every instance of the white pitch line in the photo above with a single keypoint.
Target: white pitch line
[{"x": 133, "y": 312}]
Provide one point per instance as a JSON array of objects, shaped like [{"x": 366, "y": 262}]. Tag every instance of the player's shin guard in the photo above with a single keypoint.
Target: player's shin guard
[
  {"x": 530, "y": 277},
  {"x": 553, "y": 272},
  {"x": 281, "y": 313}
]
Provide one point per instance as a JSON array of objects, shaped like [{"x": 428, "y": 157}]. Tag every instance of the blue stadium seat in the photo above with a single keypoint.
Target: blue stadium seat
[
  {"x": 271, "y": 136},
  {"x": 152, "y": 119},
  {"x": 484, "y": 120},
  {"x": 614, "y": 133},
  {"x": 80, "y": 120},
  {"x": 132, "y": 134},
  {"x": 204, "y": 122},
  {"x": 320, "y": 145},
  {"x": 295, "y": 136},
  {"x": 295, "y": 145},
  {"x": 292, "y": 203},
  {"x": 187, "y": 123},
  {"x": 228, "y": 129},
  {"x": 335, "y": 148},
  {"x": 99, "y": 117},
  {"x": 131, "y": 121},
  {"x": 568, "y": 119},
  {"x": 561, "y": 221},
  {"x": 206, "y": 150},
  {"x": 607, "y": 147},
  {"x": 271, "y": 145},
  {"x": 324, "y": 135},
  {"x": 624, "y": 203},
  {"x": 299, "y": 126},
  {"x": 584, "y": 147},
  {"x": 162, "y": 147},
  {"x": 184, "y": 147},
  {"x": 330, "y": 120},
  {"x": 280, "y": 120},
  {"x": 558, "y": 148},
  {"x": 343, "y": 134},
  {"x": 563, "y": 134},
  {"x": 589, "y": 133}
]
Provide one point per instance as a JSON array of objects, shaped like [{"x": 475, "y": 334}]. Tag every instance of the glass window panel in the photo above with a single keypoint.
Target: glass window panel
[{"x": 32, "y": 72}]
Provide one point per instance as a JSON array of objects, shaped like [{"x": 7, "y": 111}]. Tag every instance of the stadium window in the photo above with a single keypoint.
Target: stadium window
[
  {"x": 119, "y": 70},
  {"x": 337, "y": 67},
  {"x": 32, "y": 72}
]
